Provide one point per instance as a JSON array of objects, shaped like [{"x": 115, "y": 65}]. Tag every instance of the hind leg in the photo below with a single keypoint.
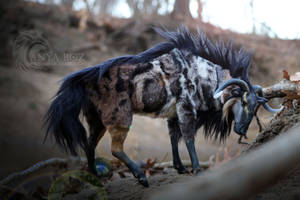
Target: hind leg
[
  {"x": 117, "y": 118},
  {"x": 175, "y": 135},
  {"x": 97, "y": 130},
  {"x": 118, "y": 136},
  {"x": 94, "y": 138}
]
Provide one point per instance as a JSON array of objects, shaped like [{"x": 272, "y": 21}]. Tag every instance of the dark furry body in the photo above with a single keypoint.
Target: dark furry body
[
  {"x": 155, "y": 91},
  {"x": 174, "y": 80}
]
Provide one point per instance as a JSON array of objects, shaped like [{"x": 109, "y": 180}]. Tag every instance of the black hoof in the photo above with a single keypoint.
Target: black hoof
[
  {"x": 143, "y": 180},
  {"x": 196, "y": 171},
  {"x": 182, "y": 170}
]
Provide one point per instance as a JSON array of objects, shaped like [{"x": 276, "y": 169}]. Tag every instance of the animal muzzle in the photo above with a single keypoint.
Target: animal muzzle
[{"x": 240, "y": 129}]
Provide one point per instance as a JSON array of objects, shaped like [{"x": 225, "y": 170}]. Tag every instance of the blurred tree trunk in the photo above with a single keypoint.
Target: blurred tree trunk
[
  {"x": 67, "y": 3},
  {"x": 146, "y": 7},
  {"x": 105, "y": 7},
  {"x": 133, "y": 4},
  {"x": 200, "y": 7},
  {"x": 181, "y": 10},
  {"x": 253, "y": 18},
  {"x": 49, "y": 2},
  {"x": 87, "y": 5}
]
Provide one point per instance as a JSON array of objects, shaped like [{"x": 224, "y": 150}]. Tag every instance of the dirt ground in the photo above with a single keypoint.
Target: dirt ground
[
  {"x": 125, "y": 189},
  {"x": 130, "y": 189},
  {"x": 286, "y": 188}
]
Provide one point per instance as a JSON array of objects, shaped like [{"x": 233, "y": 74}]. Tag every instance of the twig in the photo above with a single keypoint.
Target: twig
[
  {"x": 54, "y": 165},
  {"x": 258, "y": 123}
]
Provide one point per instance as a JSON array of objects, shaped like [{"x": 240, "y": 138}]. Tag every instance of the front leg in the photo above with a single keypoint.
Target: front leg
[
  {"x": 175, "y": 135},
  {"x": 190, "y": 144},
  {"x": 187, "y": 123}
]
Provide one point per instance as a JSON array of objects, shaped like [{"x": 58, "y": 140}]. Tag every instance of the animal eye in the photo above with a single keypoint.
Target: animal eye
[{"x": 236, "y": 92}]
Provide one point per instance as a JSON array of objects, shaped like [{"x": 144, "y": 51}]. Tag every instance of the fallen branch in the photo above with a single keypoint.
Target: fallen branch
[
  {"x": 279, "y": 89},
  {"x": 288, "y": 87},
  {"x": 184, "y": 162},
  {"x": 244, "y": 176},
  {"x": 54, "y": 166}
]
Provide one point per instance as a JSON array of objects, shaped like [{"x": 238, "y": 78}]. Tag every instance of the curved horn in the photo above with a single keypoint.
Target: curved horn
[
  {"x": 263, "y": 100},
  {"x": 242, "y": 84},
  {"x": 268, "y": 108},
  {"x": 258, "y": 89}
]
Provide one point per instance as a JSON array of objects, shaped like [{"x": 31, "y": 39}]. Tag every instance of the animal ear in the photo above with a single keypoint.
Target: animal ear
[
  {"x": 227, "y": 93},
  {"x": 258, "y": 90},
  {"x": 224, "y": 92},
  {"x": 236, "y": 92}
]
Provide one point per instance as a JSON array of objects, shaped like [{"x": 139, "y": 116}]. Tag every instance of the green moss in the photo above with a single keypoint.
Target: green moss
[{"x": 77, "y": 182}]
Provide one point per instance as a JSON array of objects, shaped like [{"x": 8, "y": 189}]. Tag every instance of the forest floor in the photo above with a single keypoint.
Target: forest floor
[
  {"x": 121, "y": 185},
  {"x": 287, "y": 188}
]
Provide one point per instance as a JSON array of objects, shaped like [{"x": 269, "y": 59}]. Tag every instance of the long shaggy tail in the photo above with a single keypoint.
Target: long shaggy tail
[{"x": 62, "y": 118}]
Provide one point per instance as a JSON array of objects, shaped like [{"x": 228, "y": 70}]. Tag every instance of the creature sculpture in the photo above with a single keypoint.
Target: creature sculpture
[{"x": 189, "y": 80}]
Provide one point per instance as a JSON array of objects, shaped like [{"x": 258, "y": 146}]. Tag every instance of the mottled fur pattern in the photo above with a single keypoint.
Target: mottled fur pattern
[
  {"x": 171, "y": 85},
  {"x": 174, "y": 80}
]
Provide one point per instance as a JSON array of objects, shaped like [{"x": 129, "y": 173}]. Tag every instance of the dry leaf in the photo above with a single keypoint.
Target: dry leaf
[
  {"x": 286, "y": 75},
  {"x": 226, "y": 157},
  {"x": 149, "y": 164}
]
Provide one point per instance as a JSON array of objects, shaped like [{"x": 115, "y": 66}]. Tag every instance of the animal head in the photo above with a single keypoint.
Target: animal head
[{"x": 242, "y": 102}]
